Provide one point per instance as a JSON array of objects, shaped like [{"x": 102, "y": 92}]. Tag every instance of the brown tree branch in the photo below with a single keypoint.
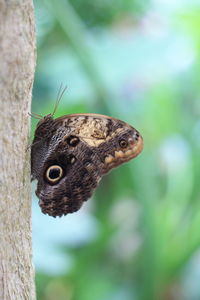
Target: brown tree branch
[{"x": 17, "y": 64}]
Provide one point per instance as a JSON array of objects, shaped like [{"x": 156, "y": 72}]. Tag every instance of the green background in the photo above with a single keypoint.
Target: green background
[{"x": 139, "y": 236}]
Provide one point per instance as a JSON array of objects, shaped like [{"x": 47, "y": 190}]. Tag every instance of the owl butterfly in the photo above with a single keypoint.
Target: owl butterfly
[{"x": 70, "y": 154}]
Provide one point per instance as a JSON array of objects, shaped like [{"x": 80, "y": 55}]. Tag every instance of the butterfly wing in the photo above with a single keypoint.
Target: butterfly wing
[{"x": 70, "y": 154}]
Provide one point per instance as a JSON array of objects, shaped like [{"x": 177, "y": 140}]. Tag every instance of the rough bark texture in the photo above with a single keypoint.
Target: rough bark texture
[{"x": 17, "y": 63}]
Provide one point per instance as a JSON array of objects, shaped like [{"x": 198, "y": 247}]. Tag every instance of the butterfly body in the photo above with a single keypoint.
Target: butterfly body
[{"x": 70, "y": 154}]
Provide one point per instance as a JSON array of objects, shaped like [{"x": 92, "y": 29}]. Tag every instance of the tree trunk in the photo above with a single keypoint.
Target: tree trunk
[{"x": 17, "y": 64}]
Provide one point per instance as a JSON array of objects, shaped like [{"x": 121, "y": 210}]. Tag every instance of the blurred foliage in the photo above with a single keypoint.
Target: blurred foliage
[
  {"x": 99, "y": 13},
  {"x": 140, "y": 63}
]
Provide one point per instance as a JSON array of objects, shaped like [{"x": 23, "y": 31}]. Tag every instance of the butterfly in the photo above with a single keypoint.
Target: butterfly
[{"x": 70, "y": 154}]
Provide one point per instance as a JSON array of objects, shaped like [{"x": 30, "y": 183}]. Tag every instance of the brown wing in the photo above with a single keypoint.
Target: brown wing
[{"x": 71, "y": 153}]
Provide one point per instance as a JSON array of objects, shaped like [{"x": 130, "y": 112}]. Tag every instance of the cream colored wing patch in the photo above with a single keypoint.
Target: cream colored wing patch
[{"x": 92, "y": 130}]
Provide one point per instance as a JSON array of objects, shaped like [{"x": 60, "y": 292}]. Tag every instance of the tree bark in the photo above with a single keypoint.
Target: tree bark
[{"x": 17, "y": 64}]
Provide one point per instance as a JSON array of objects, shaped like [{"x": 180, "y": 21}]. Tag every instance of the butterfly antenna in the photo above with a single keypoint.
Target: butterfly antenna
[
  {"x": 36, "y": 116},
  {"x": 61, "y": 91}
]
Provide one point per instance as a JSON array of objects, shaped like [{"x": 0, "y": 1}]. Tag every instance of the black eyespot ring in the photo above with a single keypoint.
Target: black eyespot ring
[
  {"x": 72, "y": 140},
  {"x": 137, "y": 135},
  {"x": 53, "y": 174},
  {"x": 123, "y": 143}
]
